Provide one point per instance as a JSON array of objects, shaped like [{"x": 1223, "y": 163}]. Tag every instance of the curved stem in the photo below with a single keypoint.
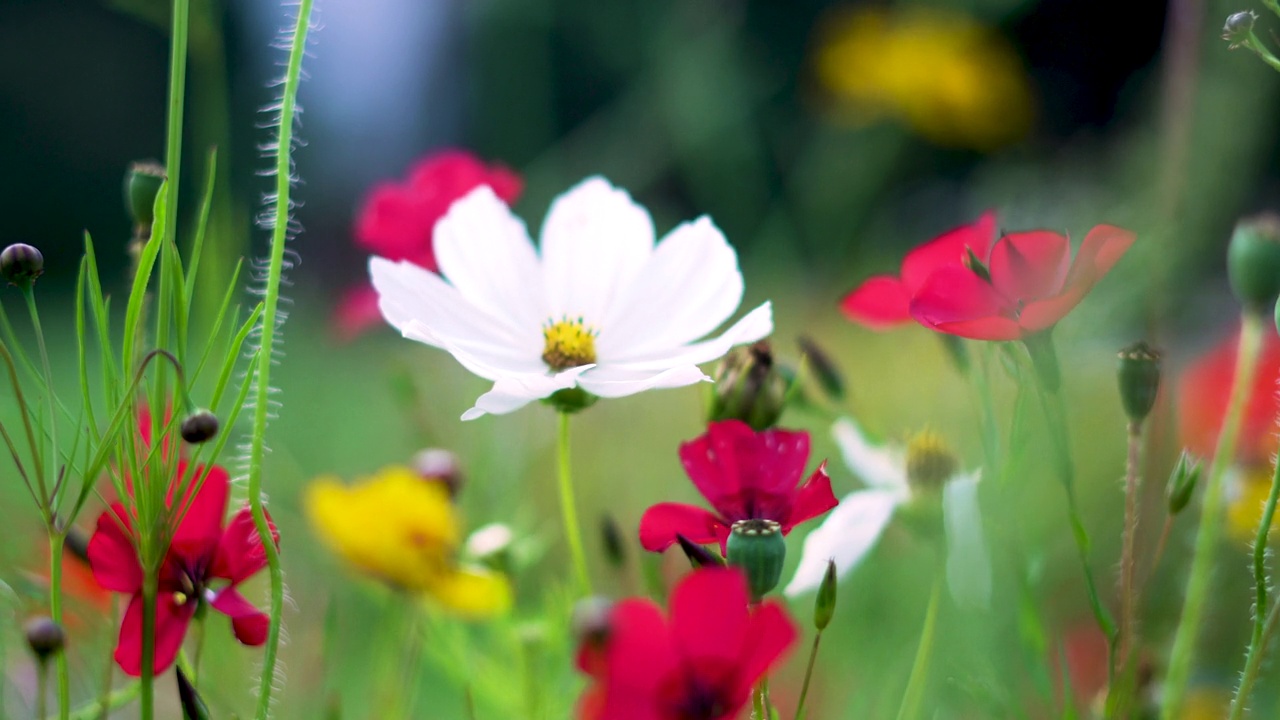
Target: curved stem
[
  {"x": 914, "y": 694},
  {"x": 56, "y": 540},
  {"x": 1254, "y": 664},
  {"x": 1210, "y": 529},
  {"x": 568, "y": 508}
]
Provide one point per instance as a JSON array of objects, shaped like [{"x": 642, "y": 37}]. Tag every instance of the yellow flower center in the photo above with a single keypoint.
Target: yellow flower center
[
  {"x": 180, "y": 599},
  {"x": 930, "y": 463},
  {"x": 569, "y": 343}
]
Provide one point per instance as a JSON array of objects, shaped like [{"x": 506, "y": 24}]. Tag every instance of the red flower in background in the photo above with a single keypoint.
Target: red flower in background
[
  {"x": 1028, "y": 285},
  {"x": 397, "y": 220},
  {"x": 201, "y": 552},
  {"x": 883, "y": 301},
  {"x": 698, "y": 664},
  {"x": 745, "y": 475},
  {"x": 1204, "y": 391}
]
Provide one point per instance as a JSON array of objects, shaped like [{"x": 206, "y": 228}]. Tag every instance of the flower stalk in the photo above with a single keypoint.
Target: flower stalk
[
  {"x": 56, "y": 540},
  {"x": 913, "y": 696},
  {"x": 1120, "y": 690},
  {"x": 568, "y": 507}
]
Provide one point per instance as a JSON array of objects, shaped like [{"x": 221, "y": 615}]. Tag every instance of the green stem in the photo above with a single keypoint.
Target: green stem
[
  {"x": 51, "y": 499},
  {"x": 913, "y": 696},
  {"x": 568, "y": 508},
  {"x": 266, "y": 354},
  {"x": 1210, "y": 529},
  {"x": 116, "y": 699},
  {"x": 149, "y": 582},
  {"x": 42, "y": 689},
  {"x": 177, "y": 99},
  {"x": 1253, "y": 665},
  {"x": 1119, "y": 693},
  {"x": 56, "y": 539},
  {"x": 808, "y": 675}
]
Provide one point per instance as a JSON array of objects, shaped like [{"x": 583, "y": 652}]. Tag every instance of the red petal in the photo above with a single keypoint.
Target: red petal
[
  {"x": 947, "y": 250},
  {"x": 957, "y": 301},
  {"x": 746, "y": 474},
  {"x": 1203, "y": 394},
  {"x": 111, "y": 553},
  {"x": 357, "y": 312},
  {"x": 171, "y": 627},
  {"x": 240, "y": 552},
  {"x": 709, "y": 617},
  {"x": 812, "y": 499},
  {"x": 640, "y": 654},
  {"x": 393, "y": 224},
  {"x": 1102, "y": 247},
  {"x": 662, "y": 522},
  {"x": 990, "y": 328},
  {"x": 770, "y": 634},
  {"x": 202, "y": 512},
  {"x": 249, "y": 623},
  {"x": 880, "y": 303},
  {"x": 1029, "y": 266}
]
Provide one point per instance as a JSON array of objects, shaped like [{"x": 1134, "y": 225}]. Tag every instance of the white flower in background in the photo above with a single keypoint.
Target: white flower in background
[
  {"x": 894, "y": 477},
  {"x": 599, "y": 306}
]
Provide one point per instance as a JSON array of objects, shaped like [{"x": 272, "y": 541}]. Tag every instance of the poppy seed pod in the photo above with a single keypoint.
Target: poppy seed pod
[
  {"x": 200, "y": 426},
  {"x": 21, "y": 264},
  {"x": 142, "y": 184},
  {"x": 1239, "y": 27},
  {"x": 44, "y": 636},
  {"x": 1139, "y": 376},
  {"x": 757, "y": 547},
  {"x": 1253, "y": 261}
]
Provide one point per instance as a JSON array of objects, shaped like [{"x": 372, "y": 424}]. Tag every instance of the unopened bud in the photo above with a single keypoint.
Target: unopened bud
[
  {"x": 21, "y": 264},
  {"x": 699, "y": 556},
  {"x": 825, "y": 604},
  {"x": 142, "y": 184},
  {"x": 748, "y": 387},
  {"x": 590, "y": 620},
  {"x": 615, "y": 549},
  {"x": 1182, "y": 482},
  {"x": 440, "y": 466},
  {"x": 757, "y": 547},
  {"x": 824, "y": 369},
  {"x": 44, "y": 636},
  {"x": 1139, "y": 375},
  {"x": 200, "y": 426},
  {"x": 974, "y": 263},
  {"x": 193, "y": 708},
  {"x": 491, "y": 545},
  {"x": 1238, "y": 28},
  {"x": 1253, "y": 261}
]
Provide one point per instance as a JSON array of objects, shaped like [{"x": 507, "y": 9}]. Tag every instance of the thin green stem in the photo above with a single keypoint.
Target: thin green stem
[
  {"x": 1253, "y": 665},
  {"x": 52, "y": 422},
  {"x": 116, "y": 699},
  {"x": 266, "y": 355},
  {"x": 1210, "y": 529},
  {"x": 1119, "y": 692},
  {"x": 56, "y": 539},
  {"x": 568, "y": 508},
  {"x": 149, "y": 582},
  {"x": 177, "y": 99},
  {"x": 42, "y": 689},
  {"x": 808, "y": 675},
  {"x": 913, "y": 696}
]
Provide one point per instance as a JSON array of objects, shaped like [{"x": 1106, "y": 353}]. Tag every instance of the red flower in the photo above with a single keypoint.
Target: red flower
[
  {"x": 1204, "y": 391},
  {"x": 1028, "y": 285},
  {"x": 201, "y": 552},
  {"x": 883, "y": 301},
  {"x": 698, "y": 664},
  {"x": 397, "y": 220},
  {"x": 744, "y": 475}
]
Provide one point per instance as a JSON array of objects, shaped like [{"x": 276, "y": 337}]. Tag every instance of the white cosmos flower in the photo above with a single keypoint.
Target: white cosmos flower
[
  {"x": 599, "y": 306},
  {"x": 851, "y": 530}
]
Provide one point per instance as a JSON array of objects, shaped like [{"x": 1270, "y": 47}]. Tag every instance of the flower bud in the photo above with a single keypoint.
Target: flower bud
[
  {"x": 615, "y": 549},
  {"x": 1253, "y": 261},
  {"x": 1182, "y": 482},
  {"x": 757, "y": 547},
  {"x": 825, "y": 604},
  {"x": 200, "y": 426},
  {"x": 491, "y": 545},
  {"x": 21, "y": 264},
  {"x": 44, "y": 636},
  {"x": 824, "y": 370},
  {"x": 748, "y": 387},
  {"x": 1139, "y": 375},
  {"x": 142, "y": 184},
  {"x": 441, "y": 466},
  {"x": 1238, "y": 28},
  {"x": 699, "y": 556},
  {"x": 193, "y": 708}
]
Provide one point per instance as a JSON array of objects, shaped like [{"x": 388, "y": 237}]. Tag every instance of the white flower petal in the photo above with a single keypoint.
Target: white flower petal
[
  {"x": 690, "y": 285},
  {"x": 754, "y": 325},
  {"x": 845, "y": 537},
  {"x": 513, "y": 392},
  {"x": 968, "y": 564},
  {"x": 594, "y": 242},
  {"x": 876, "y": 465},
  {"x": 613, "y": 381},
  {"x": 485, "y": 252}
]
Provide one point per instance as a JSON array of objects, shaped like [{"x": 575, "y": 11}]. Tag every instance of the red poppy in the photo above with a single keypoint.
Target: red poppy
[
  {"x": 697, "y": 664},
  {"x": 201, "y": 552},
  {"x": 745, "y": 475},
  {"x": 1205, "y": 389},
  {"x": 397, "y": 220},
  {"x": 883, "y": 301},
  {"x": 1028, "y": 285}
]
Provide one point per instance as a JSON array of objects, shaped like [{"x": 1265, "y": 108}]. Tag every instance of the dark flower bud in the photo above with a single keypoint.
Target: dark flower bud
[
  {"x": 200, "y": 426},
  {"x": 1238, "y": 28},
  {"x": 142, "y": 184},
  {"x": 974, "y": 263},
  {"x": 699, "y": 556},
  {"x": 757, "y": 547},
  {"x": 21, "y": 264},
  {"x": 824, "y": 370},
  {"x": 1253, "y": 261},
  {"x": 44, "y": 636},
  {"x": 77, "y": 544},
  {"x": 825, "y": 604},
  {"x": 440, "y": 466},
  {"x": 749, "y": 387},
  {"x": 615, "y": 549},
  {"x": 193, "y": 708},
  {"x": 1182, "y": 482},
  {"x": 1139, "y": 375}
]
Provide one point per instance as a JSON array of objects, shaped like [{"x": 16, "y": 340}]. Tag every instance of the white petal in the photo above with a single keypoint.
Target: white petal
[
  {"x": 612, "y": 381},
  {"x": 512, "y": 392},
  {"x": 845, "y": 537},
  {"x": 968, "y": 564},
  {"x": 876, "y": 465},
  {"x": 594, "y": 242},
  {"x": 754, "y": 325},
  {"x": 485, "y": 252},
  {"x": 690, "y": 285}
]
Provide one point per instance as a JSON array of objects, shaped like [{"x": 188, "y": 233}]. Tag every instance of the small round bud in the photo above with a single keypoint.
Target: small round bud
[
  {"x": 1139, "y": 375},
  {"x": 699, "y": 556},
  {"x": 200, "y": 426},
  {"x": 440, "y": 466},
  {"x": 757, "y": 547},
  {"x": 749, "y": 387},
  {"x": 142, "y": 184},
  {"x": 1239, "y": 27},
  {"x": 21, "y": 264},
  {"x": 1182, "y": 483},
  {"x": 1253, "y": 261},
  {"x": 491, "y": 545},
  {"x": 615, "y": 548},
  {"x": 44, "y": 636}
]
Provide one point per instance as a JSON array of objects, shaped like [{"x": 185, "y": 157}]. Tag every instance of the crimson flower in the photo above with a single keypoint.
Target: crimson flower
[
  {"x": 1205, "y": 389},
  {"x": 745, "y": 475},
  {"x": 882, "y": 302},
  {"x": 697, "y": 664},
  {"x": 1027, "y": 286},
  {"x": 398, "y": 220},
  {"x": 201, "y": 552}
]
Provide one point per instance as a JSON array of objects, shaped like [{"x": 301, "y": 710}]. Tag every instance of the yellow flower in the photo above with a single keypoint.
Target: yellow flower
[
  {"x": 1246, "y": 496},
  {"x": 954, "y": 81},
  {"x": 402, "y": 530},
  {"x": 1206, "y": 703}
]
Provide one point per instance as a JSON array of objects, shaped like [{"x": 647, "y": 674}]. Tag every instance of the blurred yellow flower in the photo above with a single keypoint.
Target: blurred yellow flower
[
  {"x": 952, "y": 80},
  {"x": 1206, "y": 703},
  {"x": 403, "y": 530},
  {"x": 1246, "y": 497}
]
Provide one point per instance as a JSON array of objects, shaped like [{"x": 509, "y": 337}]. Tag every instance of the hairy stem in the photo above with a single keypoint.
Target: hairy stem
[
  {"x": 568, "y": 508},
  {"x": 1120, "y": 693},
  {"x": 1253, "y": 665}
]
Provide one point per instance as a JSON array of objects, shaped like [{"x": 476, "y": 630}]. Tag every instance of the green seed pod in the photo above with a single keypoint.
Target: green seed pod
[
  {"x": 825, "y": 604},
  {"x": 1139, "y": 376},
  {"x": 749, "y": 387},
  {"x": 1253, "y": 261},
  {"x": 757, "y": 547},
  {"x": 1239, "y": 27},
  {"x": 142, "y": 184},
  {"x": 1182, "y": 482},
  {"x": 699, "y": 556},
  {"x": 21, "y": 264},
  {"x": 200, "y": 426},
  {"x": 44, "y": 636}
]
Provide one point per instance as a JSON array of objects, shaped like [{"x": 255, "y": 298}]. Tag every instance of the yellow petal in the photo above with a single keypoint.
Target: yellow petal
[{"x": 473, "y": 593}]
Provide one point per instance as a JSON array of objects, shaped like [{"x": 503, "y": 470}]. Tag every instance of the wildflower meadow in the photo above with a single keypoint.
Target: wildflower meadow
[{"x": 639, "y": 360}]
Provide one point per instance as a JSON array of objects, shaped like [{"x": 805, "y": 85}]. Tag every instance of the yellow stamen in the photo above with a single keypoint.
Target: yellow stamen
[
  {"x": 180, "y": 599},
  {"x": 569, "y": 343},
  {"x": 930, "y": 463}
]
